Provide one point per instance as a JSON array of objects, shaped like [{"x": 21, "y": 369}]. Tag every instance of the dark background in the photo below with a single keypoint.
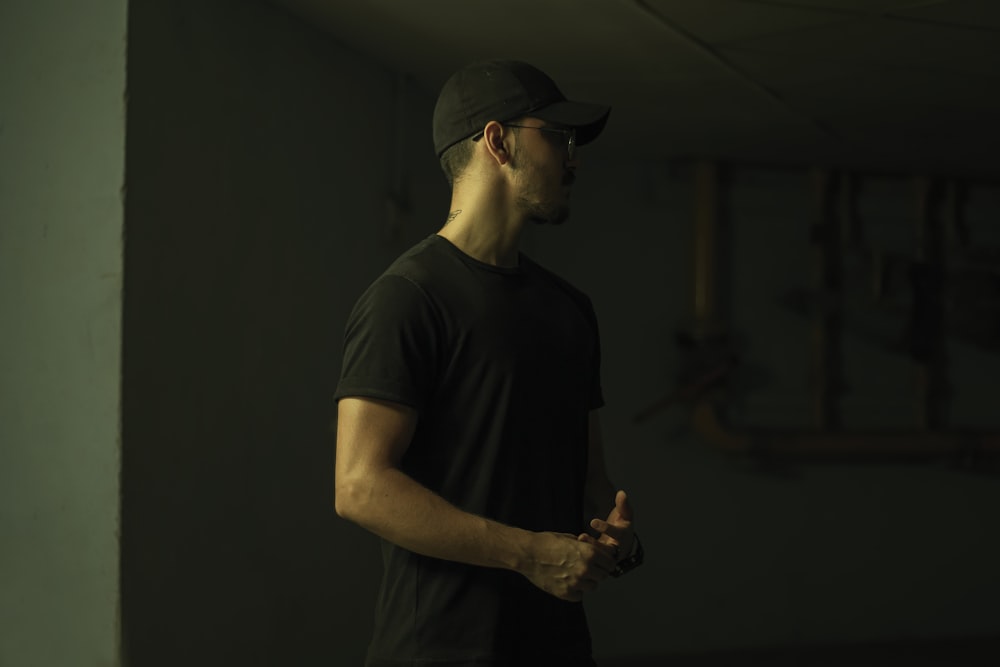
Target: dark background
[{"x": 273, "y": 171}]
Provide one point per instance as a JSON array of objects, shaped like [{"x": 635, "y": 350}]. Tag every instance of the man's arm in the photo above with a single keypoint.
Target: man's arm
[
  {"x": 373, "y": 492},
  {"x": 617, "y": 529}
]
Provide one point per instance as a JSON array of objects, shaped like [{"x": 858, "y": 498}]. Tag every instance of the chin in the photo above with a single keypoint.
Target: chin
[{"x": 542, "y": 214}]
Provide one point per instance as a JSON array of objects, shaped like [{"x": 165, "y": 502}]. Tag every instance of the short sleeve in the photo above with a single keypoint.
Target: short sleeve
[{"x": 390, "y": 344}]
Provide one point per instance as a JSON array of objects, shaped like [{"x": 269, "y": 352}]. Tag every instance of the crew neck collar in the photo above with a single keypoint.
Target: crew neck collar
[{"x": 472, "y": 261}]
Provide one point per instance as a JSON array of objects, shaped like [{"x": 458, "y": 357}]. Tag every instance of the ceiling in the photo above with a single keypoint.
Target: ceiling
[{"x": 903, "y": 86}]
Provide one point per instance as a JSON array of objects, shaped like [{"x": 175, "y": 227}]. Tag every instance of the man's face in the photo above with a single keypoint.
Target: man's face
[{"x": 543, "y": 173}]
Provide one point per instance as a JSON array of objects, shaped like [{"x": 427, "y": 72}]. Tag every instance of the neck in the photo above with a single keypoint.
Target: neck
[{"x": 481, "y": 225}]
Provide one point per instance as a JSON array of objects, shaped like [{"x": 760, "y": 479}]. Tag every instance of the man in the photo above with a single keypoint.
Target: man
[{"x": 467, "y": 435}]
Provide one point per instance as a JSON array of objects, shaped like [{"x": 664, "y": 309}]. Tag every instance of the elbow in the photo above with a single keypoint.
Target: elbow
[
  {"x": 359, "y": 495},
  {"x": 342, "y": 501},
  {"x": 349, "y": 498}
]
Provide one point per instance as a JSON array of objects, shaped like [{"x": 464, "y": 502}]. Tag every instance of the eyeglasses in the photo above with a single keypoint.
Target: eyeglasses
[{"x": 568, "y": 135}]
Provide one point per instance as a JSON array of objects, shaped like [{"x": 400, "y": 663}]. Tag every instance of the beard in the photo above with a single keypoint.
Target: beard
[
  {"x": 537, "y": 207},
  {"x": 544, "y": 213}
]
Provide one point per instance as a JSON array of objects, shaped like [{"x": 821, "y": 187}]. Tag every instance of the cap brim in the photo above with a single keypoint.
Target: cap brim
[{"x": 587, "y": 119}]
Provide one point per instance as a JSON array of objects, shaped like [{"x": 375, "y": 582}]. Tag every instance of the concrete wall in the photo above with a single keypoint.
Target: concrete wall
[
  {"x": 62, "y": 133},
  {"x": 260, "y": 160}
]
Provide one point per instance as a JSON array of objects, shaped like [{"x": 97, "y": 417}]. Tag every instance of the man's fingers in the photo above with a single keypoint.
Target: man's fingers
[
  {"x": 604, "y": 554},
  {"x": 623, "y": 506},
  {"x": 600, "y": 525},
  {"x": 609, "y": 535},
  {"x": 570, "y": 565},
  {"x": 616, "y": 533}
]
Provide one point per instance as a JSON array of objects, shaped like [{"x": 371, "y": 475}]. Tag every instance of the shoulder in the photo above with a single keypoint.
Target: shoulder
[
  {"x": 409, "y": 274},
  {"x": 422, "y": 264},
  {"x": 409, "y": 289}
]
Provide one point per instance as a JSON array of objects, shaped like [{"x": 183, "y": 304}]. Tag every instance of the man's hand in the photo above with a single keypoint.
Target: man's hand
[
  {"x": 566, "y": 567},
  {"x": 616, "y": 531}
]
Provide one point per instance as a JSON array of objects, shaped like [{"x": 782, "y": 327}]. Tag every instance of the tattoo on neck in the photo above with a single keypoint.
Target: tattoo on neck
[{"x": 454, "y": 214}]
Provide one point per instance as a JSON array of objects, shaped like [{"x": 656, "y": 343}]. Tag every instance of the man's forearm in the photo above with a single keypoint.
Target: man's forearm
[
  {"x": 373, "y": 492},
  {"x": 395, "y": 507}
]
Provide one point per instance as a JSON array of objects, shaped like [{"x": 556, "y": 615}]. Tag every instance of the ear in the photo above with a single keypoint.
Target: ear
[{"x": 493, "y": 140}]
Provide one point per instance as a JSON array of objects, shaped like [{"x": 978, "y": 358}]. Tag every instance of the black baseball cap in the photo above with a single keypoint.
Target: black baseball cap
[{"x": 502, "y": 90}]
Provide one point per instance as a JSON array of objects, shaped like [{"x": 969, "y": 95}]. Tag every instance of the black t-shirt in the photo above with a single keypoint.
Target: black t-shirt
[{"x": 503, "y": 366}]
